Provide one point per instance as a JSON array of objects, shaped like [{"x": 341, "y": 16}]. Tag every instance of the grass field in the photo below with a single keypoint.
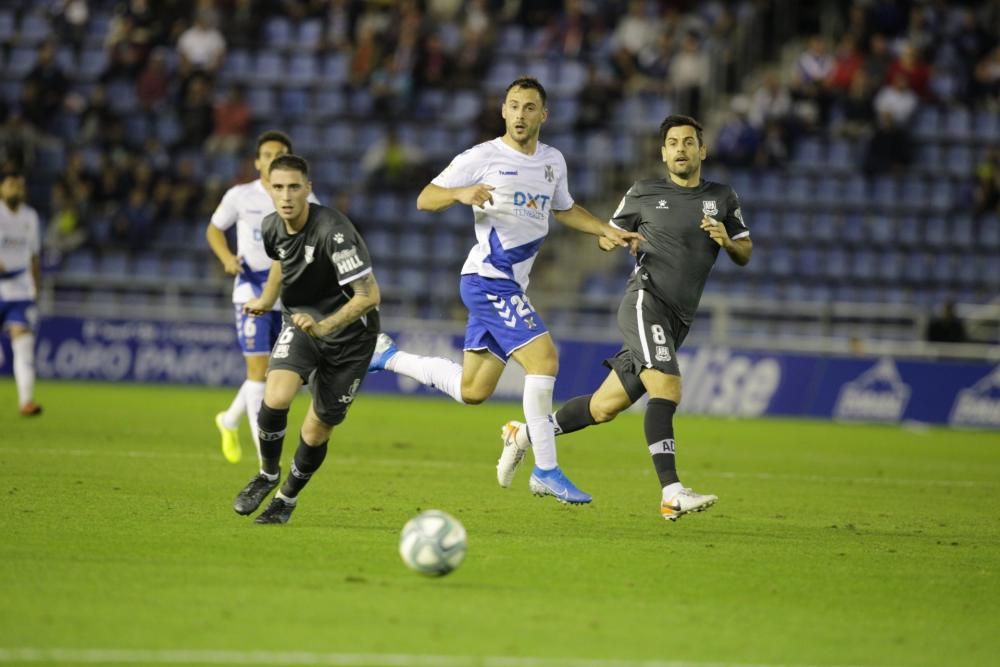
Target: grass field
[{"x": 830, "y": 544}]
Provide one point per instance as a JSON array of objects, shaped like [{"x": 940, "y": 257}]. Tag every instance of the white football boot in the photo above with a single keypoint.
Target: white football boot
[
  {"x": 515, "y": 445},
  {"x": 684, "y": 502}
]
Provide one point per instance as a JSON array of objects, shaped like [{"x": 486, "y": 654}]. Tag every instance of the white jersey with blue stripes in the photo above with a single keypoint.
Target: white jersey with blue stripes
[
  {"x": 20, "y": 241},
  {"x": 245, "y": 205},
  {"x": 527, "y": 188}
]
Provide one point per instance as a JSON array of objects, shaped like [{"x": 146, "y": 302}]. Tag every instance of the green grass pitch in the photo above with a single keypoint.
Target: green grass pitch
[{"x": 830, "y": 545}]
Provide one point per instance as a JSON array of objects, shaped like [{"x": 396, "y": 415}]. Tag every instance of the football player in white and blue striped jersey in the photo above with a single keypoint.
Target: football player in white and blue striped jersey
[
  {"x": 513, "y": 184},
  {"x": 245, "y": 205},
  {"x": 20, "y": 275}
]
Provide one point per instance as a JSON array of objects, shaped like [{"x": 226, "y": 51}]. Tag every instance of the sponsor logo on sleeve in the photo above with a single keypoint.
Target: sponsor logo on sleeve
[{"x": 347, "y": 260}]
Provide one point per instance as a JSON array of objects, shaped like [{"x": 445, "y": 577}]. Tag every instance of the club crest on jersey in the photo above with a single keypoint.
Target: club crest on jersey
[
  {"x": 550, "y": 174},
  {"x": 662, "y": 353},
  {"x": 663, "y": 204},
  {"x": 310, "y": 251},
  {"x": 282, "y": 252},
  {"x": 709, "y": 207}
]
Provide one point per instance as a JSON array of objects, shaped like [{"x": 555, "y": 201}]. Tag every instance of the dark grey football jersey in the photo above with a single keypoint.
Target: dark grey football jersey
[
  {"x": 677, "y": 256},
  {"x": 318, "y": 265}
]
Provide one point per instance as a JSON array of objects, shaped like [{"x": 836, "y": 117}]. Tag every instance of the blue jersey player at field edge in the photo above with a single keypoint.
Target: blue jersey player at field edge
[{"x": 513, "y": 184}]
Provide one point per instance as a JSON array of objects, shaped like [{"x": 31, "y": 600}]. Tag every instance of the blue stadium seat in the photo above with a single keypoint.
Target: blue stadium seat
[
  {"x": 329, "y": 103},
  {"x": 569, "y": 77},
  {"x": 92, "y": 63},
  {"x": 855, "y": 192},
  {"x": 303, "y": 70},
  {"x": 147, "y": 264},
  {"x": 458, "y": 217},
  {"x": 936, "y": 233},
  {"x": 890, "y": 267},
  {"x": 771, "y": 188},
  {"x": 122, "y": 96},
  {"x": 224, "y": 167},
  {"x": 510, "y": 40},
  {"x": 909, "y": 232},
  {"x": 585, "y": 182},
  {"x": 338, "y": 137},
  {"x": 168, "y": 130},
  {"x": 885, "y": 192},
  {"x": 781, "y": 263},
  {"x": 20, "y": 61},
  {"x": 309, "y": 34},
  {"x": 824, "y": 228},
  {"x": 963, "y": 233},
  {"x": 987, "y": 126},
  {"x": 794, "y": 227},
  {"x": 113, "y": 263},
  {"x": 809, "y": 153},
  {"x": 261, "y": 101},
  {"x": 97, "y": 27},
  {"x": 989, "y": 233},
  {"x": 268, "y": 68},
  {"x": 294, "y": 103},
  {"x": 882, "y": 230},
  {"x": 7, "y": 29},
  {"x": 808, "y": 262},
  {"x": 798, "y": 190},
  {"x": 836, "y": 266},
  {"x": 66, "y": 58},
  {"x": 927, "y": 123},
  {"x": 969, "y": 270},
  {"x": 413, "y": 247},
  {"x": 854, "y": 229},
  {"x": 500, "y": 75},
  {"x": 181, "y": 266},
  {"x": 762, "y": 224},
  {"x": 960, "y": 161},
  {"x": 34, "y": 29},
  {"x": 942, "y": 196},
  {"x": 380, "y": 245},
  {"x": 912, "y": 193},
  {"x": 278, "y": 33},
  {"x": 864, "y": 265},
  {"x": 464, "y": 107},
  {"x": 335, "y": 68},
  {"x": 237, "y": 67},
  {"x": 841, "y": 155},
  {"x": 387, "y": 208},
  {"x": 958, "y": 124},
  {"x": 81, "y": 262},
  {"x": 829, "y": 191}
]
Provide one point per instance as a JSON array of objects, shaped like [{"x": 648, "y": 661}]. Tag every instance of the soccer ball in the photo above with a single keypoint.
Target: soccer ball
[{"x": 432, "y": 543}]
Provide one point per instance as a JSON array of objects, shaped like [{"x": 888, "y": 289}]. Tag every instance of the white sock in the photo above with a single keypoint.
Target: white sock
[
  {"x": 253, "y": 394},
  {"x": 290, "y": 501},
  {"x": 670, "y": 490},
  {"x": 537, "y": 408},
  {"x": 435, "y": 372},
  {"x": 23, "y": 348},
  {"x": 231, "y": 417}
]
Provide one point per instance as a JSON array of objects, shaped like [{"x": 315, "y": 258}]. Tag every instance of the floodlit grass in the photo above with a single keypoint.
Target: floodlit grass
[{"x": 830, "y": 545}]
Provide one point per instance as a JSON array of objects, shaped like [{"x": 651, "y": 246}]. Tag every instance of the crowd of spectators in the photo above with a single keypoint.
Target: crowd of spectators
[
  {"x": 121, "y": 177},
  {"x": 886, "y": 60}
]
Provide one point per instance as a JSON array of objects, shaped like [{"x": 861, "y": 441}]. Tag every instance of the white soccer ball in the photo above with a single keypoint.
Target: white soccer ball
[{"x": 432, "y": 543}]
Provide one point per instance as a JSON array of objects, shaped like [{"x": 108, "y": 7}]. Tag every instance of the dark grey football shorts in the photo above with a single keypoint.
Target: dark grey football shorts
[
  {"x": 335, "y": 371},
  {"x": 651, "y": 334}
]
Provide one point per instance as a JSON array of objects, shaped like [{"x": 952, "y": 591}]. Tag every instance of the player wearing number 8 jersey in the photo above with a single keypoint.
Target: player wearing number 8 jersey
[
  {"x": 513, "y": 184},
  {"x": 685, "y": 221}
]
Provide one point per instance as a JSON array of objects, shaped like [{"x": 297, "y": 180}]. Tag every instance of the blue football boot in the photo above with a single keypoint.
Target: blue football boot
[{"x": 555, "y": 483}]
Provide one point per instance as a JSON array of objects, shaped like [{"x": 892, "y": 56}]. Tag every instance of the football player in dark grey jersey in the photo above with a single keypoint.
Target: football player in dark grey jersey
[
  {"x": 685, "y": 221},
  {"x": 329, "y": 297}
]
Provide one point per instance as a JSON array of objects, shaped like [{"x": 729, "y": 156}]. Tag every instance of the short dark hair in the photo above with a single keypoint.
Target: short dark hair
[
  {"x": 289, "y": 162},
  {"x": 274, "y": 135},
  {"x": 528, "y": 82},
  {"x": 677, "y": 120}
]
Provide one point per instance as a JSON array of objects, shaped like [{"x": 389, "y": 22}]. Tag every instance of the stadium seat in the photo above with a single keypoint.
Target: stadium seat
[
  {"x": 569, "y": 78},
  {"x": 927, "y": 123},
  {"x": 303, "y": 70},
  {"x": 34, "y": 29},
  {"x": 80, "y": 263},
  {"x": 237, "y": 67},
  {"x": 909, "y": 232},
  {"x": 987, "y": 125},
  {"x": 92, "y": 63},
  {"x": 7, "y": 29},
  {"x": 309, "y": 34},
  {"x": 278, "y": 33},
  {"x": 958, "y": 124},
  {"x": 387, "y": 208},
  {"x": 114, "y": 264},
  {"x": 841, "y": 155},
  {"x": 295, "y": 103},
  {"x": 261, "y": 101},
  {"x": 335, "y": 68},
  {"x": 20, "y": 60},
  {"x": 268, "y": 68}
]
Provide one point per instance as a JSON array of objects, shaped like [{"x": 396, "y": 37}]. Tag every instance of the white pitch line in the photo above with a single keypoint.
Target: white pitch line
[{"x": 67, "y": 656}]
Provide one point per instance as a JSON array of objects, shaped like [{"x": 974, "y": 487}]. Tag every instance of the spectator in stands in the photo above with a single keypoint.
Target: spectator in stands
[
  {"x": 911, "y": 67},
  {"x": 132, "y": 224},
  {"x": 878, "y": 60},
  {"x": 689, "y": 74},
  {"x": 771, "y": 102},
  {"x": 232, "y": 123},
  {"x": 738, "y": 140},
  {"x": 201, "y": 47},
  {"x": 986, "y": 80},
  {"x": 196, "y": 113},
  {"x": 242, "y": 27},
  {"x": 434, "y": 66},
  {"x": 70, "y": 19},
  {"x": 896, "y": 100},
  {"x": 593, "y": 102},
  {"x": 948, "y": 327},
  {"x": 772, "y": 151},
  {"x": 153, "y": 83},
  {"x": 847, "y": 63},
  {"x": 857, "y": 114},
  {"x": 812, "y": 70},
  {"x": 390, "y": 164},
  {"x": 890, "y": 148},
  {"x": 986, "y": 194},
  {"x": 635, "y": 32},
  {"x": 51, "y": 82},
  {"x": 19, "y": 141},
  {"x": 66, "y": 230}
]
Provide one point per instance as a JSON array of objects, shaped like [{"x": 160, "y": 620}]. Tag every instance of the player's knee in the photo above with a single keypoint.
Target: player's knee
[
  {"x": 474, "y": 396},
  {"x": 603, "y": 412}
]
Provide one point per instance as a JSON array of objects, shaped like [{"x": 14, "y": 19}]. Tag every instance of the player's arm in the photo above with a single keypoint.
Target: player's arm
[
  {"x": 217, "y": 242},
  {"x": 36, "y": 271},
  {"x": 434, "y": 198},
  {"x": 583, "y": 220},
  {"x": 739, "y": 250},
  {"x": 366, "y": 299},
  {"x": 268, "y": 295}
]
